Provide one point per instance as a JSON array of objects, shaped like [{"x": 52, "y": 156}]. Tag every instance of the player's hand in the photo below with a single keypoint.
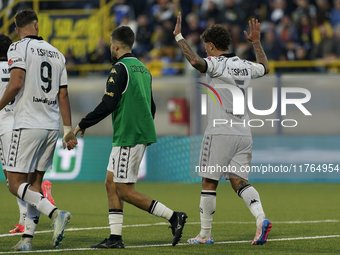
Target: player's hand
[
  {"x": 255, "y": 31},
  {"x": 77, "y": 130},
  {"x": 69, "y": 140},
  {"x": 178, "y": 26}
]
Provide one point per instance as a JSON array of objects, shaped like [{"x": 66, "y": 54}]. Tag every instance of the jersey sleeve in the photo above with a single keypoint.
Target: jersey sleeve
[
  {"x": 257, "y": 70},
  {"x": 212, "y": 67},
  {"x": 16, "y": 57},
  {"x": 63, "y": 78},
  {"x": 115, "y": 86}
]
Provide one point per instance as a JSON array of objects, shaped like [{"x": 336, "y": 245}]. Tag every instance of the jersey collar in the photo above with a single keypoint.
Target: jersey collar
[
  {"x": 229, "y": 55},
  {"x": 126, "y": 55},
  {"x": 35, "y": 37}
]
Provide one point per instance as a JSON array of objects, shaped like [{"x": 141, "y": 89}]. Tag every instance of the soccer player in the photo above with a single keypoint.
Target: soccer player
[
  {"x": 128, "y": 98},
  {"x": 6, "y": 124},
  {"x": 38, "y": 76},
  {"x": 226, "y": 145}
]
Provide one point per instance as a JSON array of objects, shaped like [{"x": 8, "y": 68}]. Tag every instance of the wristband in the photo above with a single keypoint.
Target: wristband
[
  {"x": 67, "y": 129},
  {"x": 179, "y": 37}
]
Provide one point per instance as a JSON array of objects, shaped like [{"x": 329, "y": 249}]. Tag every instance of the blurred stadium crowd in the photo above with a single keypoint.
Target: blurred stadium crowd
[{"x": 292, "y": 29}]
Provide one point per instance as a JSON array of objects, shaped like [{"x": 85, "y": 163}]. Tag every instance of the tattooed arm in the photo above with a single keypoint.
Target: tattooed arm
[
  {"x": 15, "y": 83},
  {"x": 196, "y": 61},
  {"x": 254, "y": 37}
]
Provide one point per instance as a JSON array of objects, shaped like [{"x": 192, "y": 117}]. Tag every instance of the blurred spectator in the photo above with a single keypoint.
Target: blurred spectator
[
  {"x": 324, "y": 8},
  {"x": 101, "y": 54},
  {"x": 233, "y": 13},
  {"x": 326, "y": 49},
  {"x": 239, "y": 46},
  {"x": 207, "y": 3},
  {"x": 126, "y": 21},
  {"x": 71, "y": 61},
  {"x": 143, "y": 36},
  {"x": 321, "y": 21},
  {"x": 335, "y": 14},
  {"x": 278, "y": 10},
  {"x": 286, "y": 31},
  {"x": 271, "y": 46},
  {"x": 162, "y": 11},
  {"x": 304, "y": 7},
  {"x": 337, "y": 40},
  {"x": 305, "y": 33},
  {"x": 193, "y": 31},
  {"x": 121, "y": 8},
  {"x": 164, "y": 44},
  {"x": 210, "y": 12}
]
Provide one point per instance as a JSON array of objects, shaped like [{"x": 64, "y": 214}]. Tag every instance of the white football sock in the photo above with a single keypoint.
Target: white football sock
[
  {"x": 116, "y": 221},
  {"x": 35, "y": 199},
  {"x": 22, "y": 211},
  {"x": 31, "y": 221},
  {"x": 252, "y": 199},
  {"x": 160, "y": 210},
  {"x": 207, "y": 210}
]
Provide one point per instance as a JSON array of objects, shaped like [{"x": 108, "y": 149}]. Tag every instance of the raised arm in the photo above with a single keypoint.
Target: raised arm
[
  {"x": 254, "y": 37},
  {"x": 196, "y": 61}
]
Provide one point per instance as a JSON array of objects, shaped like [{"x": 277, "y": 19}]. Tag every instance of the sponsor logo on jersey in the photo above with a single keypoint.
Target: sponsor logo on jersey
[
  {"x": 139, "y": 69},
  {"x": 14, "y": 60},
  {"x": 44, "y": 101}
]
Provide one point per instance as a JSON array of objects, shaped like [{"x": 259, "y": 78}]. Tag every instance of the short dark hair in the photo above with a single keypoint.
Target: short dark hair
[
  {"x": 5, "y": 42},
  {"x": 25, "y": 17},
  {"x": 218, "y": 35},
  {"x": 125, "y": 35}
]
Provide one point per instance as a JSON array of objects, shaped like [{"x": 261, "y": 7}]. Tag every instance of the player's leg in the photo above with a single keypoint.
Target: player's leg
[
  {"x": 32, "y": 217},
  {"x": 207, "y": 210},
  {"x": 239, "y": 182},
  {"x": 115, "y": 215},
  {"x": 125, "y": 176},
  {"x": 127, "y": 193},
  {"x": 44, "y": 162},
  {"x": 5, "y": 141},
  {"x": 28, "y": 146},
  {"x": 209, "y": 157}
]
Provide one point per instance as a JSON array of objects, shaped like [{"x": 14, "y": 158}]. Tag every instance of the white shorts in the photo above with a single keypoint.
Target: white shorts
[
  {"x": 31, "y": 149},
  {"x": 5, "y": 141},
  {"x": 124, "y": 162},
  {"x": 222, "y": 155}
]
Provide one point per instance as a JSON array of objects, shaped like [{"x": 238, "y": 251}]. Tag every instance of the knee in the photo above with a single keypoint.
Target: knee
[
  {"x": 124, "y": 194},
  {"x": 109, "y": 185}
]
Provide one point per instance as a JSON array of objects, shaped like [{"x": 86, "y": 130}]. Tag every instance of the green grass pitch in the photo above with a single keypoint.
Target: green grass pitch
[{"x": 305, "y": 217}]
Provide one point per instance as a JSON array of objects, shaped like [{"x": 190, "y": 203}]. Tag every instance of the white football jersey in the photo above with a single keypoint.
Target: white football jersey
[
  {"x": 7, "y": 113},
  {"x": 38, "y": 106},
  {"x": 229, "y": 69}
]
